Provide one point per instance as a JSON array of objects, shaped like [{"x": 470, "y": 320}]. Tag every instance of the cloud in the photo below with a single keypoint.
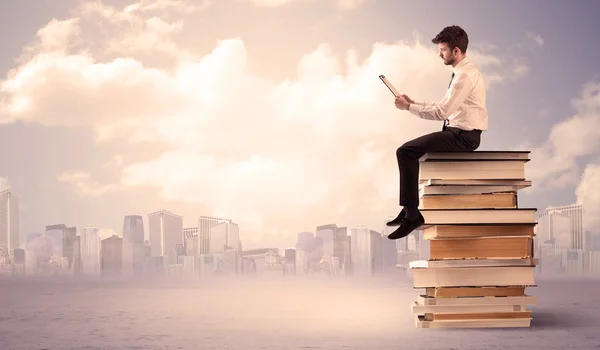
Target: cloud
[
  {"x": 340, "y": 4},
  {"x": 588, "y": 194},
  {"x": 554, "y": 164},
  {"x": 81, "y": 181},
  {"x": 536, "y": 38},
  {"x": 274, "y": 156}
]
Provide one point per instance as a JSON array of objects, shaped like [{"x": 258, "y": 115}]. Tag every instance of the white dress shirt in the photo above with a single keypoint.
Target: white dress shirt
[{"x": 464, "y": 102}]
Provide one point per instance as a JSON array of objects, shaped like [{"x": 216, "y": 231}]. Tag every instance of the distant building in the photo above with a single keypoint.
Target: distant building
[
  {"x": 9, "y": 221},
  {"x": 112, "y": 256},
  {"x": 134, "y": 250},
  {"x": 166, "y": 235}
]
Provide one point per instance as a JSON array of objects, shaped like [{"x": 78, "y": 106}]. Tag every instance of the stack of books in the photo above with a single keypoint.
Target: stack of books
[{"x": 480, "y": 240}]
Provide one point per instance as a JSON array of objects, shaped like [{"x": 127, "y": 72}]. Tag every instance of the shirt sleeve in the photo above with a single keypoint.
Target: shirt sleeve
[{"x": 457, "y": 93}]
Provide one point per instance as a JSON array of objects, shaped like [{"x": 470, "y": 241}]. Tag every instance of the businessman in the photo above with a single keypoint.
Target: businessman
[{"x": 463, "y": 111}]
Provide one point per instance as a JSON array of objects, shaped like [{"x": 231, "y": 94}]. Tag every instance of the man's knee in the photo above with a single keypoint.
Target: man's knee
[{"x": 403, "y": 151}]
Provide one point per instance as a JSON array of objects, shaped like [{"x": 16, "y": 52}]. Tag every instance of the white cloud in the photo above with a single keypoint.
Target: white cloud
[
  {"x": 116, "y": 161},
  {"x": 554, "y": 164},
  {"x": 81, "y": 181},
  {"x": 340, "y": 4},
  {"x": 536, "y": 38},
  {"x": 104, "y": 233},
  {"x": 273, "y": 156},
  {"x": 588, "y": 194}
]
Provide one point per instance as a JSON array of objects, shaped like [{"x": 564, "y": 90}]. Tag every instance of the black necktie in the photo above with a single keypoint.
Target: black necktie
[{"x": 446, "y": 120}]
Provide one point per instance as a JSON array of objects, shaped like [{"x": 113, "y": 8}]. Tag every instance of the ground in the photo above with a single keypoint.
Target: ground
[{"x": 282, "y": 313}]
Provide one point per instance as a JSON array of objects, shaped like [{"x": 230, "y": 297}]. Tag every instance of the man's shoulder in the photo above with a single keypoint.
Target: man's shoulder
[
  {"x": 471, "y": 71},
  {"x": 471, "y": 67}
]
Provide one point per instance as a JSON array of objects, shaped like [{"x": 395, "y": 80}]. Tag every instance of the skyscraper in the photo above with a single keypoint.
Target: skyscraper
[
  {"x": 573, "y": 217},
  {"x": 134, "y": 251},
  {"x": 90, "y": 250},
  {"x": 111, "y": 257},
  {"x": 166, "y": 235},
  {"x": 9, "y": 220},
  {"x": 204, "y": 224}
]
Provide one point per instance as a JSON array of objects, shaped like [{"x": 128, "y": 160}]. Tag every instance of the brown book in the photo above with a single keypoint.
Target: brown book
[
  {"x": 468, "y": 292},
  {"x": 420, "y": 322},
  {"x": 459, "y": 231},
  {"x": 469, "y": 201},
  {"x": 481, "y": 248}
]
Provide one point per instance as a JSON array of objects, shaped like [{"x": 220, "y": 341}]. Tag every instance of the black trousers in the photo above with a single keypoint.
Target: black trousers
[{"x": 450, "y": 139}]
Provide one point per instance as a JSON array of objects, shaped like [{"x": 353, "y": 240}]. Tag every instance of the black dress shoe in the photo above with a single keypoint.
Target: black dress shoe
[
  {"x": 406, "y": 227},
  {"x": 398, "y": 219}
]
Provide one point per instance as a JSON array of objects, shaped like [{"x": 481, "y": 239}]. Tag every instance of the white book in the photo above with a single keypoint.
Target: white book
[
  {"x": 472, "y": 170},
  {"x": 473, "y": 276},
  {"x": 512, "y": 300},
  {"x": 465, "y": 308}
]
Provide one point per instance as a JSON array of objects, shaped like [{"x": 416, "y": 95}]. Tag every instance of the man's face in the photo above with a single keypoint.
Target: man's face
[{"x": 446, "y": 54}]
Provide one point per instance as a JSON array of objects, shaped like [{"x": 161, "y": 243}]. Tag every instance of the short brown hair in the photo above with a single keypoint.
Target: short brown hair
[{"x": 453, "y": 36}]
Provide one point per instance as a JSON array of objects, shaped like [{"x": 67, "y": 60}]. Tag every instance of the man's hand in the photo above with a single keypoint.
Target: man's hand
[
  {"x": 408, "y": 99},
  {"x": 401, "y": 103}
]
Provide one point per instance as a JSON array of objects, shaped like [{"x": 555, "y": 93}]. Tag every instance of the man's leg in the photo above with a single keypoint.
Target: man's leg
[{"x": 449, "y": 140}]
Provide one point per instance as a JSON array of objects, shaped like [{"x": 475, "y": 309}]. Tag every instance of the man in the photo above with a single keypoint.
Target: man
[{"x": 464, "y": 114}]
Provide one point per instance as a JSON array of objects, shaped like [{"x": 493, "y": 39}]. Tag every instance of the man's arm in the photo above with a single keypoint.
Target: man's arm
[{"x": 456, "y": 95}]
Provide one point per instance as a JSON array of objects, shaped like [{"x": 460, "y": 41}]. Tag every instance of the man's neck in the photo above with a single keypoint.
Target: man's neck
[{"x": 458, "y": 61}]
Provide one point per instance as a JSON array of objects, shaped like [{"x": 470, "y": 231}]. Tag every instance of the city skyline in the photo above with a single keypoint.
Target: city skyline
[{"x": 117, "y": 110}]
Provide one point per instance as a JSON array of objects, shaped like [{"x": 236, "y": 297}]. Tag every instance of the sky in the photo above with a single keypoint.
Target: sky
[{"x": 271, "y": 113}]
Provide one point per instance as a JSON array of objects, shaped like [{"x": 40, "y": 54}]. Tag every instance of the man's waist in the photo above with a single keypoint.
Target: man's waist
[
  {"x": 466, "y": 125},
  {"x": 462, "y": 129}
]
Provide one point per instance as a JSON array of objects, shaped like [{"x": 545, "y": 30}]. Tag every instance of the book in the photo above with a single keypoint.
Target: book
[
  {"x": 477, "y": 155},
  {"x": 469, "y": 201},
  {"x": 473, "y": 276},
  {"x": 505, "y": 247},
  {"x": 479, "y": 216},
  {"x": 472, "y": 169},
  {"x": 478, "y": 230}
]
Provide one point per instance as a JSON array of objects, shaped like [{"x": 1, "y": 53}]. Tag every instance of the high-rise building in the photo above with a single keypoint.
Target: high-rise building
[
  {"x": 111, "y": 256},
  {"x": 90, "y": 250},
  {"x": 190, "y": 236},
  {"x": 134, "y": 251},
  {"x": 62, "y": 240},
  {"x": 363, "y": 250},
  {"x": 304, "y": 251},
  {"x": 553, "y": 220},
  {"x": 327, "y": 236},
  {"x": 204, "y": 225},
  {"x": 166, "y": 235},
  {"x": 9, "y": 221},
  {"x": 224, "y": 235},
  {"x": 56, "y": 233}
]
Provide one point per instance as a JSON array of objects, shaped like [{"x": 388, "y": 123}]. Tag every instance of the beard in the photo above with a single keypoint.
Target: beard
[{"x": 450, "y": 61}]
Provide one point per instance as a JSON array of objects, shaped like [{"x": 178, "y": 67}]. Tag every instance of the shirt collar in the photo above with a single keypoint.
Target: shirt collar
[{"x": 460, "y": 65}]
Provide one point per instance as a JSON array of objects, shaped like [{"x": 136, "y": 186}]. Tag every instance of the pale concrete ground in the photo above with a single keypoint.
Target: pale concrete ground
[{"x": 284, "y": 314}]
